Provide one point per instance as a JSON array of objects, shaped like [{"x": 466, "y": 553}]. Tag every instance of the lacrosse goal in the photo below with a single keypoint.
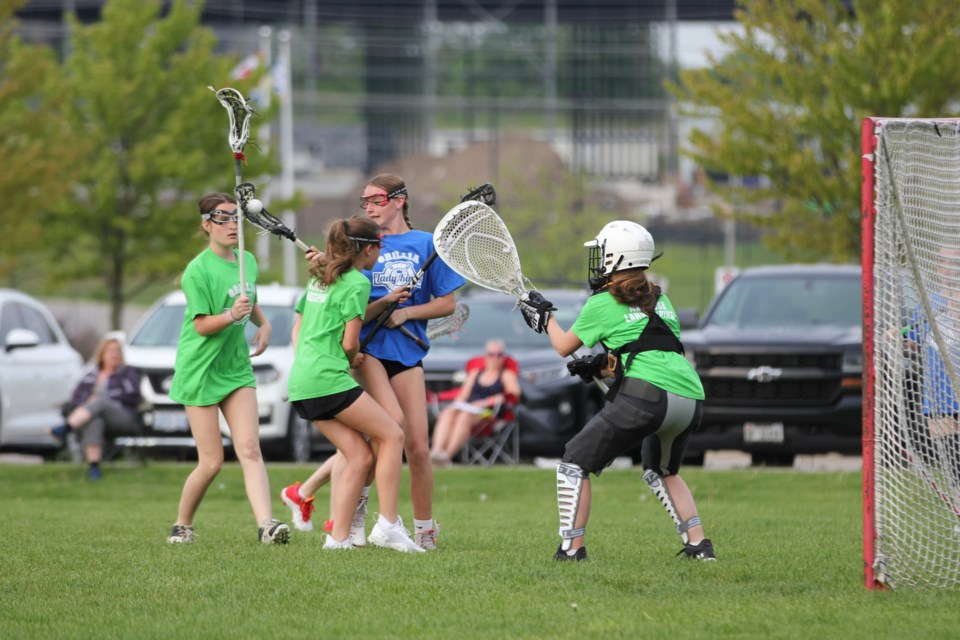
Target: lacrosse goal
[{"x": 911, "y": 303}]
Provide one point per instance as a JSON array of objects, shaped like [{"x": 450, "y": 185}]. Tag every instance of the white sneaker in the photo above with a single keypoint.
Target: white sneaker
[
  {"x": 394, "y": 536},
  {"x": 330, "y": 543},
  {"x": 358, "y": 528}
]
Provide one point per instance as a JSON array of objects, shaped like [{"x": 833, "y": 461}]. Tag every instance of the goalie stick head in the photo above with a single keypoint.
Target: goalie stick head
[{"x": 473, "y": 241}]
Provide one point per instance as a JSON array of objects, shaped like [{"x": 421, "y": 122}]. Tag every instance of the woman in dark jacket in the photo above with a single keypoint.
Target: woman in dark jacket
[{"x": 105, "y": 399}]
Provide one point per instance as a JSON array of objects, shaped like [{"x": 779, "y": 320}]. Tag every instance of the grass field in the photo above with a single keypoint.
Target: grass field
[{"x": 89, "y": 560}]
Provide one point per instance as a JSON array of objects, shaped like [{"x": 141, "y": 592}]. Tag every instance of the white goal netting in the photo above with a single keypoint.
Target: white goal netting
[{"x": 916, "y": 365}]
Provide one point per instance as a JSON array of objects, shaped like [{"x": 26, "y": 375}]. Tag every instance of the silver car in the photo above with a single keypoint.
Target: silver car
[{"x": 38, "y": 371}]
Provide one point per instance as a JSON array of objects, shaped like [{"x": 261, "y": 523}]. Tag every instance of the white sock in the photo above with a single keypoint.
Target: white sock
[
  {"x": 300, "y": 493},
  {"x": 422, "y": 525},
  {"x": 384, "y": 523}
]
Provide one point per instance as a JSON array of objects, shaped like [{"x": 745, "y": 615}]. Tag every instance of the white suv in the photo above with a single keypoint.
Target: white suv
[
  {"x": 153, "y": 347},
  {"x": 38, "y": 371}
]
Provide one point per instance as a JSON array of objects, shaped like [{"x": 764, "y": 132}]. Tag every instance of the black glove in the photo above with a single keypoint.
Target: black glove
[
  {"x": 536, "y": 310},
  {"x": 588, "y": 367}
]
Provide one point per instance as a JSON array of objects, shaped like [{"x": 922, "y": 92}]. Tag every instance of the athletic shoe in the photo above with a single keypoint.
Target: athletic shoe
[
  {"x": 440, "y": 459},
  {"x": 330, "y": 543},
  {"x": 561, "y": 555},
  {"x": 328, "y": 526},
  {"x": 394, "y": 536},
  {"x": 358, "y": 527},
  {"x": 274, "y": 533},
  {"x": 703, "y": 550},
  {"x": 60, "y": 433},
  {"x": 428, "y": 537},
  {"x": 94, "y": 473},
  {"x": 300, "y": 508},
  {"x": 180, "y": 534}
]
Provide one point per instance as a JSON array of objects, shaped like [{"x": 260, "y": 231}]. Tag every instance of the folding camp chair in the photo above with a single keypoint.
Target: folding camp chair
[{"x": 494, "y": 438}]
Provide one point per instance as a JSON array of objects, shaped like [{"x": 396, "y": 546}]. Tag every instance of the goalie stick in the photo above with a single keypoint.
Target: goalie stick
[
  {"x": 483, "y": 193},
  {"x": 240, "y": 114},
  {"x": 473, "y": 240},
  {"x": 452, "y": 323}
]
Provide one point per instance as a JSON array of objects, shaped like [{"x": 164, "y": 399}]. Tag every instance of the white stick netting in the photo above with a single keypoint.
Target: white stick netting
[
  {"x": 474, "y": 242},
  {"x": 917, "y": 352},
  {"x": 448, "y": 324}
]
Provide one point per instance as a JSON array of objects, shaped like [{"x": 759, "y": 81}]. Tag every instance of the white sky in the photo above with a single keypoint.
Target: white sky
[{"x": 694, "y": 39}]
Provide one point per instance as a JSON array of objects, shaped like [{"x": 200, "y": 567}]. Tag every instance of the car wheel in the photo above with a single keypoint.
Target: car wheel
[{"x": 298, "y": 438}]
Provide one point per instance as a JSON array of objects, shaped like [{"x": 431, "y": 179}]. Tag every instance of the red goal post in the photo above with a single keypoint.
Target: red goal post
[{"x": 910, "y": 205}]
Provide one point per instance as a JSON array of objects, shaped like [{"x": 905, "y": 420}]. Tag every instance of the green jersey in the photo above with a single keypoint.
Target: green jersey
[
  {"x": 320, "y": 367},
  {"x": 209, "y": 368},
  {"x": 615, "y": 324}
]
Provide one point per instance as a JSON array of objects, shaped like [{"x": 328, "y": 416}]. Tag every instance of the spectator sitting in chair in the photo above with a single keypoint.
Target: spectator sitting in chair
[
  {"x": 106, "y": 399},
  {"x": 483, "y": 392}
]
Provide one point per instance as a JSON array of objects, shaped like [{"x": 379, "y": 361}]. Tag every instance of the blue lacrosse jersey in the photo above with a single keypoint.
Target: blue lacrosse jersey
[
  {"x": 401, "y": 257},
  {"x": 938, "y": 395}
]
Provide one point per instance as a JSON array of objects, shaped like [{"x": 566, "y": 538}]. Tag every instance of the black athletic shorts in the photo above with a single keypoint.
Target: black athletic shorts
[
  {"x": 393, "y": 367},
  {"x": 643, "y": 415},
  {"x": 326, "y": 407}
]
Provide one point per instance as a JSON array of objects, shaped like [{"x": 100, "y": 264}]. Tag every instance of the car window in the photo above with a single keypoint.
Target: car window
[
  {"x": 794, "y": 301},
  {"x": 162, "y": 328},
  {"x": 500, "y": 319},
  {"x": 281, "y": 321},
  {"x": 9, "y": 320},
  {"x": 35, "y": 321}
]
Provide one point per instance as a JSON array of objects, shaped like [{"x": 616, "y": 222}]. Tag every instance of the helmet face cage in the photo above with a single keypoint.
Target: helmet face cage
[{"x": 595, "y": 277}]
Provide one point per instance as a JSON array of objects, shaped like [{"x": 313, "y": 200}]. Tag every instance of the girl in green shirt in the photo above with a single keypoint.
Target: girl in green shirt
[
  {"x": 321, "y": 389},
  {"x": 656, "y": 398},
  {"x": 213, "y": 374}
]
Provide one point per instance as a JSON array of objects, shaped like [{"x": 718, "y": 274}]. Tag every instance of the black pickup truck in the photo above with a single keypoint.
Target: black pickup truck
[{"x": 779, "y": 352}]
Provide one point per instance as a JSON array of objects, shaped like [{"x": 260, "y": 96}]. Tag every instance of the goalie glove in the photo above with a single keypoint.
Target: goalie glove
[
  {"x": 536, "y": 310},
  {"x": 589, "y": 367}
]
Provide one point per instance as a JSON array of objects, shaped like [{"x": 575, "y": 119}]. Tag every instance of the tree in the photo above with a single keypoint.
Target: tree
[
  {"x": 135, "y": 92},
  {"x": 37, "y": 169},
  {"x": 788, "y": 101}
]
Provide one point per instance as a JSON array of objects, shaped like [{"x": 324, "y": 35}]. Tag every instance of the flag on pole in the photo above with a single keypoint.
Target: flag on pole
[{"x": 246, "y": 67}]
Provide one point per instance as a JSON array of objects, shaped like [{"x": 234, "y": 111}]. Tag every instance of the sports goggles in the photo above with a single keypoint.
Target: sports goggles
[
  {"x": 219, "y": 216},
  {"x": 380, "y": 199}
]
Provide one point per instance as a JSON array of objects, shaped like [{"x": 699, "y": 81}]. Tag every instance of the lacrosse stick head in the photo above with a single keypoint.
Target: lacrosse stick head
[
  {"x": 264, "y": 219},
  {"x": 450, "y": 324},
  {"x": 485, "y": 193},
  {"x": 473, "y": 241},
  {"x": 240, "y": 113}
]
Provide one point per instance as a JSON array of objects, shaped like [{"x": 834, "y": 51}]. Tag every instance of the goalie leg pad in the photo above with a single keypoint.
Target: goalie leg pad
[
  {"x": 655, "y": 481},
  {"x": 570, "y": 479}
]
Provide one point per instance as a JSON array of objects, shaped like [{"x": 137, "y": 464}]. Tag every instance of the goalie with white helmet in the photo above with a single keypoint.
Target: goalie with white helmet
[{"x": 656, "y": 396}]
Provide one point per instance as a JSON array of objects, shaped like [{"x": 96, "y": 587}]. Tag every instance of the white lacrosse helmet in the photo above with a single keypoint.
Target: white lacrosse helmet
[{"x": 619, "y": 246}]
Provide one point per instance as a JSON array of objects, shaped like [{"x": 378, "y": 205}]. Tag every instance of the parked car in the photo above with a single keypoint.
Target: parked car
[
  {"x": 283, "y": 434},
  {"x": 554, "y": 405},
  {"x": 779, "y": 352},
  {"x": 38, "y": 371}
]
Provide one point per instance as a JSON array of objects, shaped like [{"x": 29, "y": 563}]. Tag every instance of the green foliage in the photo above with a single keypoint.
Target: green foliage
[
  {"x": 38, "y": 162},
  {"x": 135, "y": 93},
  {"x": 790, "y": 96},
  {"x": 549, "y": 221},
  {"x": 89, "y": 560}
]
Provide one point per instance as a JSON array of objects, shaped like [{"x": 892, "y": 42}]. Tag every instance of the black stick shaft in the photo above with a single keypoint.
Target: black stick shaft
[{"x": 383, "y": 317}]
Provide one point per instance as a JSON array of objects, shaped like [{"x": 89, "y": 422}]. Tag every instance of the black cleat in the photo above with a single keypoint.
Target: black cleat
[
  {"x": 562, "y": 555},
  {"x": 701, "y": 551}
]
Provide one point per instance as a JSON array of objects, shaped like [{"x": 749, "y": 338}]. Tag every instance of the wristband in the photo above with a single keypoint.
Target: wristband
[{"x": 233, "y": 318}]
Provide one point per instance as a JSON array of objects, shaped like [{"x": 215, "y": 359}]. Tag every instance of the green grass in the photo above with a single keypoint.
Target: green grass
[{"x": 85, "y": 560}]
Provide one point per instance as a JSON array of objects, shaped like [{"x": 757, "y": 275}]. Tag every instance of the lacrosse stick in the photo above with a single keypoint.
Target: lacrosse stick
[
  {"x": 483, "y": 193},
  {"x": 257, "y": 214},
  {"x": 474, "y": 242},
  {"x": 447, "y": 325},
  {"x": 240, "y": 114}
]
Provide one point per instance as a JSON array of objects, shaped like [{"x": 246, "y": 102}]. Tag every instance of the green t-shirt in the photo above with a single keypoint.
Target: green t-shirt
[
  {"x": 604, "y": 319},
  {"x": 209, "y": 368},
  {"x": 320, "y": 367}
]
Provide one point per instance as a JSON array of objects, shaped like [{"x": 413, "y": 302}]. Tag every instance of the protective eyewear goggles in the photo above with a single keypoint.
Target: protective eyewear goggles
[
  {"x": 495, "y": 354},
  {"x": 380, "y": 199},
  {"x": 377, "y": 241},
  {"x": 218, "y": 216}
]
